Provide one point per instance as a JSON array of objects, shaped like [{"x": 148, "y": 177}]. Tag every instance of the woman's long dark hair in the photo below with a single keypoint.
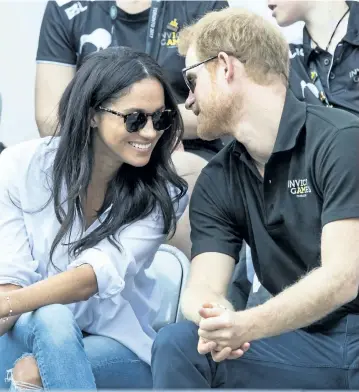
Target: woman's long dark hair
[{"x": 134, "y": 192}]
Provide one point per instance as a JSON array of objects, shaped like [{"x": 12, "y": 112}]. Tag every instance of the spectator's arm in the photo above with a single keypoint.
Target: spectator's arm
[
  {"x": 336, "y": 281},
  {"x": 189, "y": 121},
  {"x": 51, "y": 81},
  {"x": 56, "y": 65},
  {"x": 215, "y": 247}
]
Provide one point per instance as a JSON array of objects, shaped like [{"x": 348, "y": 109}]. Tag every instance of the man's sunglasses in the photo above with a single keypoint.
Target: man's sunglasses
[
  {"x": 191, "y": 81},
  {"x": 135, "y": 121}
]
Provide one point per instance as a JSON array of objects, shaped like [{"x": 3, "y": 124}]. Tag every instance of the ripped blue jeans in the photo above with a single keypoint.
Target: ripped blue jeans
[{"x": 67, "y": 360}]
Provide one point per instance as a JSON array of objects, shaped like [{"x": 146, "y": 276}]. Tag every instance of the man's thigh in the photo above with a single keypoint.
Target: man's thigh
[{"x": 295, "y": 360}]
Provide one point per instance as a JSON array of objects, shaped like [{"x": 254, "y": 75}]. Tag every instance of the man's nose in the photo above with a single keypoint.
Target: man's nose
[{"x": 190, "y": 100}]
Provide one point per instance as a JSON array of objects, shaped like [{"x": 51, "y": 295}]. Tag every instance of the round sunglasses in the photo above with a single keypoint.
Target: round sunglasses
[{"x": 135, "y": 121}]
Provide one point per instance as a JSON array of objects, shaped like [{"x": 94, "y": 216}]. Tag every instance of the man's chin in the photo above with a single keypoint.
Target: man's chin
[{"x": 207, "y": 134}]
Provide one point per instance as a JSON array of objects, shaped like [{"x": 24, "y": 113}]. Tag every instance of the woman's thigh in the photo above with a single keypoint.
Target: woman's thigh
[{"x": 115, "y": 366}]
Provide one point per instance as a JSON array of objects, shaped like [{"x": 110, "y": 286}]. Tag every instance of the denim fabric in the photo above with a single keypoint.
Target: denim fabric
[
  {"x": 295, "y": 360},
  {"x": 66, "y": 359}
]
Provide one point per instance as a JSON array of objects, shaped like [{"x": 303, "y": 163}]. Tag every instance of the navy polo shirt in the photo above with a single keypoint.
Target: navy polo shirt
[
  {"x": 311, "y": 179},
  {"x": 339, "y": 74}
]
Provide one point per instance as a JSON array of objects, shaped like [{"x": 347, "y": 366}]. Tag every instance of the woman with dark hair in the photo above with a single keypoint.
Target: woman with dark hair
[{"x": 82, "y": 216}]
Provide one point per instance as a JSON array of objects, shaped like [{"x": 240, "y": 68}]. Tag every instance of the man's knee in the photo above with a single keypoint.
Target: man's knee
[
  {"x": 182, "y": 335},
  {"x": 26, "y": 372}
]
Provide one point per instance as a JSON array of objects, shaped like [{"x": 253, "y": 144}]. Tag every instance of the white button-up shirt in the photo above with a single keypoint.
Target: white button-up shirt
[{"x": 127, "y": 301}]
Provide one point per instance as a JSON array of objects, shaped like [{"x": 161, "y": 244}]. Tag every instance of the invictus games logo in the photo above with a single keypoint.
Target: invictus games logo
[
  {"x": 170, "y": 36},
  {"x": 299, "y": 188}
]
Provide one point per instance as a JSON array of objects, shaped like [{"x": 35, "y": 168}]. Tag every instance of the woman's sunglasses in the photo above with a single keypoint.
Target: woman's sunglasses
[{"x": 135, "y": 121}]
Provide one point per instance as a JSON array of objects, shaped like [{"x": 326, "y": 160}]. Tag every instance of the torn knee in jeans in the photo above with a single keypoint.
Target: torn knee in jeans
[{"x": 25, "y": 375}]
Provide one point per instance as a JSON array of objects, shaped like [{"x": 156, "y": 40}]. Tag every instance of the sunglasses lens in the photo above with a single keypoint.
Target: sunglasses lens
[
  {"x": 135, "y": 121},
  {"x": 162, "y": 120}
]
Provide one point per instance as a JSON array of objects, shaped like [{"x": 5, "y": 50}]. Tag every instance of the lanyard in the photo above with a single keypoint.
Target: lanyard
[
  {"x": 314, "y": 77},
  {"x": 155, "y": 25}
]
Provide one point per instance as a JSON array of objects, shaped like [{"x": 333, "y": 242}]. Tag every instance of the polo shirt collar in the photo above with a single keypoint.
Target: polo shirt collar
[
  {"x": 352, "y": 35},
  {"x": 292, "y": 122}
]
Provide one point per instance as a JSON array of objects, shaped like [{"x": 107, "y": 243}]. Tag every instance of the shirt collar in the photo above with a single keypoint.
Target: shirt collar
[
  {"x": 352, "y": 35},
  {"x": 291, "y": 123}
]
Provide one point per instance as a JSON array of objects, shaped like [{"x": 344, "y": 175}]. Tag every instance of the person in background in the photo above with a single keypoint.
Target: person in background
[
  {"x": 326, "y": 64},
  {"x": 72, "y": 29},
  {"x": 289, "y": 186},
  {"x": 82, "y": 216}
]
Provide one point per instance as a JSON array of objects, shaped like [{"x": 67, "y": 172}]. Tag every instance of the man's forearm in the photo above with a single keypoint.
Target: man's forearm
[
  {"x": 189, "y": 121},
  {"x": 312, "y": 298},
  {"x": 194, "y": 298}
]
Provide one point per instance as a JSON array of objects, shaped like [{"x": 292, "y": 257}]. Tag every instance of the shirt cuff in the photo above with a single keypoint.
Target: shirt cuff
[
  {"x": 204, "y": 246},
  {"x": 109, "y": 281},
  {"x": 348, "y": 212}
]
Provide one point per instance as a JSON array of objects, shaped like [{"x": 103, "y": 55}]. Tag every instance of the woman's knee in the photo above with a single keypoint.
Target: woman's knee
[
  {"x": 26, "y": 374},
  {"x": 56, "y": 324}
]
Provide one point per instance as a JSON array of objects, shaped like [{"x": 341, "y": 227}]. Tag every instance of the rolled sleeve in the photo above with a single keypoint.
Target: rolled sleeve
[
  {"x": 109, "y": 280},
  {"x": 338, "y": 174}
]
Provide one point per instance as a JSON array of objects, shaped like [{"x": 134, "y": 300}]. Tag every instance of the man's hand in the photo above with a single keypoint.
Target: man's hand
[{"x": 219, "y": 323}]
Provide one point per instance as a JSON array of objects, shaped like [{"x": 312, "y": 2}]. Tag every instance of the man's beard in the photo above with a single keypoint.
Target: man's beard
[{"x": 216, "y": 116}]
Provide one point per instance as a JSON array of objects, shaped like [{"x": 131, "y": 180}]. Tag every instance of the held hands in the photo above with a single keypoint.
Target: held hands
[{"x": 219, "y": 334}]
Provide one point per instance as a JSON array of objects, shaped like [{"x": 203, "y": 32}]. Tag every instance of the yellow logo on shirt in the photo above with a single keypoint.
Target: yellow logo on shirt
[
  {"x": 299, "y": 187},
  {"x": 170, "y": 36},
  {"x": 174, "y": 23}
]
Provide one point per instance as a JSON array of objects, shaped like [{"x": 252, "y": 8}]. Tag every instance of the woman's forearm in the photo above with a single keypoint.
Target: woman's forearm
[
  {"x": 67, "y": 287},
  {"x": 5, "y": 326}
]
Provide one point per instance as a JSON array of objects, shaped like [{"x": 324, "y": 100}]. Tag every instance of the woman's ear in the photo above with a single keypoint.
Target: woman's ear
[{"x": 93, "y": 118}]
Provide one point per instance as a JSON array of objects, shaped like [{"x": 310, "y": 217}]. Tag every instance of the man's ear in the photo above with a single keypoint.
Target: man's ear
[{"x": 226, "y": 62}]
